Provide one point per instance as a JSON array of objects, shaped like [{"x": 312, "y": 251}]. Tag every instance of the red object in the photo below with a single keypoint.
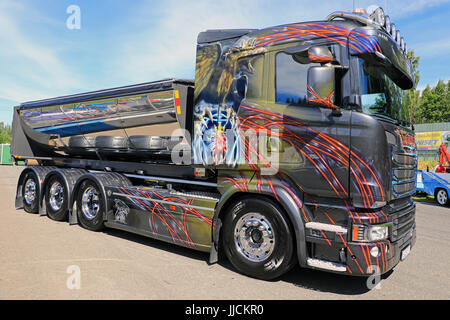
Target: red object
[{"x": 444, "y": 160}]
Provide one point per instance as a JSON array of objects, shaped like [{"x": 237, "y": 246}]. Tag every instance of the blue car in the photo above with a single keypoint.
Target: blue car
[{"x": 434, "y": 184}]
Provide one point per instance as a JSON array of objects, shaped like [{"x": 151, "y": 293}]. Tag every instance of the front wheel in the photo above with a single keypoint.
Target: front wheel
[
  {"x": 258, "y": 239},
  {"x": 90, "y": 206},
  {"x": 442, "y": 197}
]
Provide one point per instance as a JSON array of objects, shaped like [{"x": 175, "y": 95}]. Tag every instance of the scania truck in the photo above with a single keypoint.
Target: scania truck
[{"x": 292, "y": 146}]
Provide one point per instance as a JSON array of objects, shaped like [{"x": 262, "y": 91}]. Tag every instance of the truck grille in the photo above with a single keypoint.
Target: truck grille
[
  {"x": 404, "y": 159},
  {"x": 403, "y": 223},
  {"x": 403, "y": 174}
]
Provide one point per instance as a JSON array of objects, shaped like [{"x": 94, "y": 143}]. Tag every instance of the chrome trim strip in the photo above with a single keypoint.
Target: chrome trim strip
[
  {"x": 325, "y": 227},
  {"x": 200, "y": 183},
  {"x": 163, "y": 202}
]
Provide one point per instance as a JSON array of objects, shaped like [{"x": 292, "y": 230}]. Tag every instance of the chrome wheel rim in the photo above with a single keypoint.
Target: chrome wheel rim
[
  {"x": 442, "y": 197},
  {"x": 254, "y": 237},
  {"x": 56, "y": 196},
  {"x": 90, "y": 204},
  {"x": 30, "y": 191}
]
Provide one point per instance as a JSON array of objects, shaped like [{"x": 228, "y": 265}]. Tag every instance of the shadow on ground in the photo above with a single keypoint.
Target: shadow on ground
[
  {"x": 304, "y": 278},
  {"x": 158, "y": 244}
]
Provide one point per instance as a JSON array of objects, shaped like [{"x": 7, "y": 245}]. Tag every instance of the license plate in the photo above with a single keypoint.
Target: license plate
[{"x": 405, "y": 252}]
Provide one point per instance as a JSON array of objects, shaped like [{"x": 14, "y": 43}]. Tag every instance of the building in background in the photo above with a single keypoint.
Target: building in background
[{"x": 429, "y": 137}]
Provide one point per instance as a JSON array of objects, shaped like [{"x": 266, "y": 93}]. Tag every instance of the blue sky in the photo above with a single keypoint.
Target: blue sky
[{"x": 125, "y": 42}]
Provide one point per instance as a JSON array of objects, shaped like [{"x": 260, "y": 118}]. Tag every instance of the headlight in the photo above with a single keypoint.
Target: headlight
[
  {"x": 370, "y": 233},
  {"x": 376, "y": 14},
  {"x": 387, "y": 24},
  {"x": 393, "y": 31},
  {"x": 397, "y": 36},
  {"x": 377, "y": 233}
]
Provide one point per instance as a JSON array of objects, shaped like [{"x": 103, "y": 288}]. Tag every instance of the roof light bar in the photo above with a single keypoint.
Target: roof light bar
[{"x": 373, "y": 16}]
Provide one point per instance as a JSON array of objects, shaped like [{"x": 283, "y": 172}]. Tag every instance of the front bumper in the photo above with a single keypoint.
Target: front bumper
[
  {"x": 335, "y": 252},
  {"x": 361, "y": 262}
]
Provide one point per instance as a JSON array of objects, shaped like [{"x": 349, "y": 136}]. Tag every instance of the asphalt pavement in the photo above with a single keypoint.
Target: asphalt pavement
[{"x": 44, "y": 259}]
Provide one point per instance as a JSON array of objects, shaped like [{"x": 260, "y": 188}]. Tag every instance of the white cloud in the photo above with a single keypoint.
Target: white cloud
[
  {"x": 30, "y": 70},
  {"x": 168, "y": 48},
  {"x": 432, "y": 48},
  {"x": 165, "y": 40}
]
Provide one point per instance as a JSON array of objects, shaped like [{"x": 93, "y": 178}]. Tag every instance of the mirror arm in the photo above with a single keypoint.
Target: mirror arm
[{"x": 336, "y": 113}]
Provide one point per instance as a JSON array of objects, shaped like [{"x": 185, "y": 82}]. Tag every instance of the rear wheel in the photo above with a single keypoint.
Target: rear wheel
[
  {"x": 56, "y": 199},
  {"x": 442, "y": 197},
  {"x": 90, "y": 206},
  {"x": 30, "y": 192},
  {"x": 258, "y": 239}
]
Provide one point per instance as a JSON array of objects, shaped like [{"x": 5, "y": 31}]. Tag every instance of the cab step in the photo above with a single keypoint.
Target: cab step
[
  {"x": 326, "y": 227},
  {"x": 326, "y": 265}
]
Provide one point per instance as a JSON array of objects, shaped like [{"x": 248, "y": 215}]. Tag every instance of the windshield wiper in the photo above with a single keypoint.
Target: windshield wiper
[{"x": 387, "y": 116}]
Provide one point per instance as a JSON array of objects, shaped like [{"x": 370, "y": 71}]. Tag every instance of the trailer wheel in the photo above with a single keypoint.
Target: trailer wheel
[
  {"x": 30, "y": 192},
  {"x": 148, "y": 142},
  {"x": 257, "y": 239},
  {"x": 441, "y": 197},
  {"x": 81, "y": 142},
  {"x": 56, "y": 199},
  {"x": 90, "y": 206},
  {"x": 110, "y": 142}
]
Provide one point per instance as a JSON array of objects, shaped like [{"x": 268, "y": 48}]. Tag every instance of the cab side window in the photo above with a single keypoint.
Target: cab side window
[{"x": 291, "y": 80}]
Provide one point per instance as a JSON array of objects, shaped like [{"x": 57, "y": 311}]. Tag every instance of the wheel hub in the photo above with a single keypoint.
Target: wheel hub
[
  {"x": 56, "y": 196},
  {"x": 30, "y": 191},
  {"x": 254, "y": 237},
  {"x": 442, "y": 197},
  {"x": 90, "y": 203}
]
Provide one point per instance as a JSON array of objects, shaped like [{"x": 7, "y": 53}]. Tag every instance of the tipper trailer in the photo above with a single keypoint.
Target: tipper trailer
[{"x": 292, "y": 146}]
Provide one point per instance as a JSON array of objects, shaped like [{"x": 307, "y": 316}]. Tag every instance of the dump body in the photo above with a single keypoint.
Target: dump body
[{"x": 100, "y": 124}]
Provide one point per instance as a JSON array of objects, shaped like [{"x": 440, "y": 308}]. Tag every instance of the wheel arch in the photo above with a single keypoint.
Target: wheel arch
[
  {"x": 69, "y": 177},
  {"x": 101, "y": 179},
  {"x": 282, "y": 198},
  {"x": 40, "y": 172}
]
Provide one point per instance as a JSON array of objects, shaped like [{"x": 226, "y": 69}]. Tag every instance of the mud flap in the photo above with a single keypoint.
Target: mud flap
[
  {"x": 214, "y": 252},
  {"x": 73, "y": 214}
]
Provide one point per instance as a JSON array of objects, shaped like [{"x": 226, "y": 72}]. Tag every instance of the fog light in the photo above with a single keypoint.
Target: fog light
[{"x": 374, "y": 252}]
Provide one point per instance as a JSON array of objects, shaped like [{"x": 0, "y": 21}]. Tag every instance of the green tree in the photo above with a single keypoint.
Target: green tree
[
  {"x": 5, "y": 133},
  {"x": 412, "y": 98}
]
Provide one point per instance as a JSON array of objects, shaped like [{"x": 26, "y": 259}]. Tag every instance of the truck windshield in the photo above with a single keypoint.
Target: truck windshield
[{"x": 380, "y": 96}]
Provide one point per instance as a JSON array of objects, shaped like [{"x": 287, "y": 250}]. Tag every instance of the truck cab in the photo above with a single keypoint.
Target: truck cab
[{"x": 315, "y": 110}]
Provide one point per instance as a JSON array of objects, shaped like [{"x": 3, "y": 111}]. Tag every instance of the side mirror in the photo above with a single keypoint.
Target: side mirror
[
  {"x": 321, "y": 86},
  {"x": 307, "y": 54}
]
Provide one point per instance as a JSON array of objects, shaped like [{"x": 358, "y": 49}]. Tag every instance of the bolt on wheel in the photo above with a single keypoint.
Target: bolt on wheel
[{"x": 254, "y": 237}]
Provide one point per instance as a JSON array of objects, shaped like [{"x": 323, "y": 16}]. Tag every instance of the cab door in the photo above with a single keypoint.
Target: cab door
[{"x": 316, "y": 137}]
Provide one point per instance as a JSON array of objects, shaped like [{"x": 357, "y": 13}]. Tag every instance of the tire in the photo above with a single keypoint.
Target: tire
[
  {"x": 30, "y": 193},
  {"x": 269, "y": 231},
  {"x": 82, "y": 142},
  {"x": 90, "y": 206},
  {"x": 109, "y": 142},
  {"x": 442, "y": 197},
  {"x": 56, "y": 199},
  {"x": 148, "y": 142}
]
